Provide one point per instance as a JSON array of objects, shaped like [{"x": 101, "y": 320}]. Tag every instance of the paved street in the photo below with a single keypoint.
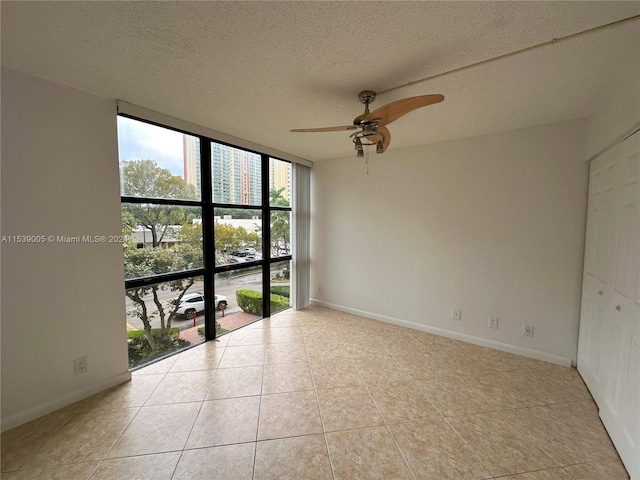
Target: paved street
[{"x": 224, "y": 286}]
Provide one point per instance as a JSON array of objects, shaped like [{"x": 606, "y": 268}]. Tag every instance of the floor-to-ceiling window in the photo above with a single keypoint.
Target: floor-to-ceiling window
[
  {"x": 252, "y": 216},
  {"x": 280, "y": 217},
  {"x": 206, "y": 229}
]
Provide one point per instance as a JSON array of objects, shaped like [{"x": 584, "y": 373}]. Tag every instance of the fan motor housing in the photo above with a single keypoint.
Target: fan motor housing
[{"x": 367, "y": 96}]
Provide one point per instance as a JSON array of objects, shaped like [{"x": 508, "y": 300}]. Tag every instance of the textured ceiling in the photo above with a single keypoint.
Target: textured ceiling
[{"x": 257, "y": 69}]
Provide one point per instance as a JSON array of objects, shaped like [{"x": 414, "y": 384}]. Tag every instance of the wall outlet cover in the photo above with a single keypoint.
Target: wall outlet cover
[{"x": 80, "y": 365}]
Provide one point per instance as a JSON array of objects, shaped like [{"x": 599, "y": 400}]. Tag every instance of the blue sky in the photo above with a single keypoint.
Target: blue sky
[{"x": 139, "y": 140}]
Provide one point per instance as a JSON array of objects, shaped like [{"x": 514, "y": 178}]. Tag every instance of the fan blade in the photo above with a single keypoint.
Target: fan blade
[
  {"x": 326, "y": 129},
  {"x": 359, "y": 118},
  {"x": 394, "y": 110}
]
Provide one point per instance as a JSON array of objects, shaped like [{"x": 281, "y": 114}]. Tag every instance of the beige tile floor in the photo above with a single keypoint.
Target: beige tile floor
[{"x": 320, "y": 394}]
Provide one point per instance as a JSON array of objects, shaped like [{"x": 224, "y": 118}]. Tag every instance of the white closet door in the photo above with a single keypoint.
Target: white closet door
[
  {"x": 609, "y": 342},
  {"x": 620, "y": 410},
  {"x": 596, "y": 291}
]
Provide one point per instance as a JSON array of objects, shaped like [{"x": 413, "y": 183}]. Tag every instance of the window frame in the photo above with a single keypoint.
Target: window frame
[{"x": 208, "y": 206}]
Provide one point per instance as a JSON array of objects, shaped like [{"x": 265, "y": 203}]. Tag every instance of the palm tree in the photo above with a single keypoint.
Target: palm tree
[
  {"x": 276, "y": 198},
  {"x": 279, "y": 222}
]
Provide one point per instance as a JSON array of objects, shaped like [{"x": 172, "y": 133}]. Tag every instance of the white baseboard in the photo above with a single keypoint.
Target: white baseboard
[
  {"x": 484, "y": 342},
  {"x": 60, "y": 402}
]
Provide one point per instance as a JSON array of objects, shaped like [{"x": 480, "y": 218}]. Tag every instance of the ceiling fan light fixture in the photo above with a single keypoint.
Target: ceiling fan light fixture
[
  {"x": 371, "y": 126},
  {"x": 359, "y": 147}
]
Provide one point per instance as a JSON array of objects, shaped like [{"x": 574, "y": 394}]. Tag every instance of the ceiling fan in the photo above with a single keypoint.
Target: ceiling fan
[{"x": 371, "y": 126}]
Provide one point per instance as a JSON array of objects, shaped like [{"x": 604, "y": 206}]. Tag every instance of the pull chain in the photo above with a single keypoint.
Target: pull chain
[{"x": 366, "y": 160}]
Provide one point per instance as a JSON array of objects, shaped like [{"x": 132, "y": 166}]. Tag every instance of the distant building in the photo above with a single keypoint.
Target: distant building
[
  {"x": 235, "y": 172},
  {"x": 280, "y": 176},
  {"x": 191, "y": 158},
  {"x": 236, "y": 175},
  {"x": 144, "y": 239},
  {"x": 251, "y": 225}
]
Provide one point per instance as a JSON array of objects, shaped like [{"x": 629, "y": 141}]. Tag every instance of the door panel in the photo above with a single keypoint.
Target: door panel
[
  {"x": 596, "y": 293},
  {"x": 609, "y": 343}
]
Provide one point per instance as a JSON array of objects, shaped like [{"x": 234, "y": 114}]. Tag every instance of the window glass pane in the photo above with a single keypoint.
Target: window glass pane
[
  {"x": 280, "y": 234},
  {"x": 160, "y": 319},
  {"x": 242, "y": 290},
  {"x": 280, "y": 273},
  {"x": 237, "y": 235},
  {"x": 236, "y": 175},
  {"x": 157, "y": 162},
  {"x": 161, "y": 239},
  {"x": 279, "y": 183}
]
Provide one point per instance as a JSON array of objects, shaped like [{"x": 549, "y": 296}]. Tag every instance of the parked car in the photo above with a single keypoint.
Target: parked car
[
  {"x": 244, "y": 252},
  {"x": 194, "y": 302}
]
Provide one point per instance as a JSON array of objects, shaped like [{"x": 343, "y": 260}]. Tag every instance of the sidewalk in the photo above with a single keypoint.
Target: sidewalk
[
  {"x": 237, "y": 320},
  {"x": 229, "y": 322}
]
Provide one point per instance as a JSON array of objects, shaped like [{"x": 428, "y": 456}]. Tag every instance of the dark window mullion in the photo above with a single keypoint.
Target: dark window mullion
[
  {"x": 237, "y": 206},
  {"x": 206, "y": 194},
  {"x": 266, "y": 239},
  {"x": 162, "y": 277},
  {"x": 235, "y": 266},
  {"x": 281, "y": 259},
  {"x": 162, "y": 201}
]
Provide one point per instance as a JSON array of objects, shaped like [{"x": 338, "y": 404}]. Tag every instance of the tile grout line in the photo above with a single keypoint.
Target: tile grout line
[
  {"x": 315, "y": 392},
  {"x": 255, "y": 446},
  {"x": 197, "y": 415},
  {"x": 473, "y": 452},
  {"x": 164, "y": 375},
  {"x": 529, "y": 436},
  {"x": 463, "y": 379},
  {"x": 384, "y": 420}
]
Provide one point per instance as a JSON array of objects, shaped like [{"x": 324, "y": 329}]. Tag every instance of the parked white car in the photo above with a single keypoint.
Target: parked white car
[{"x": 194, "y": 302}]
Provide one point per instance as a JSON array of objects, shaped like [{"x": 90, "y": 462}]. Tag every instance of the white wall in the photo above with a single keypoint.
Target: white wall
[
  {"x": 59, "y": 301},
  {"x": 617, "y": 110},
  {"x": 493, "y": 225}
]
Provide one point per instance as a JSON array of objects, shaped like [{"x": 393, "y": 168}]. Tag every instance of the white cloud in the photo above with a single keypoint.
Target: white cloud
[{"x": 139, "y": 140}]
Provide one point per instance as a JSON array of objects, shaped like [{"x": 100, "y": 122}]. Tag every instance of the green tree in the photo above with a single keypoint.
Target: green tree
[
  {"x": 142, "y": 262},
  {"x": 229, "y": 239},
  {"x": 280, "y": 223},
  {"x": 144, "y": 178},
  {"x": 276, "y": 198}
]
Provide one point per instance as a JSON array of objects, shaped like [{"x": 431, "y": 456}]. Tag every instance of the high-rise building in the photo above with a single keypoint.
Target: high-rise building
[
  {"x": 236, "y": 175},
  {"x": 191, "y": 156},
  {"x": 280, "y": 176}
]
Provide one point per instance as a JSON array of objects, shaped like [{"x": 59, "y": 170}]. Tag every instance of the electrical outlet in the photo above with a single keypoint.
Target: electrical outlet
[
  {"x": 456, "y": 314},
  {"x": 527, "y": 330},
  {"x": 493, "y": 322},
  {"x": 80, "y": 365}
]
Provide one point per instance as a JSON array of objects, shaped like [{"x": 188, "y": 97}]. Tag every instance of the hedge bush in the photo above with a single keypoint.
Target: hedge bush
[
  {"x": 219, "y": 331},
  {"x": 250, "y": 301},
  {"x": 140, "y": 351},
  {"x": 283, "y": 291},
  {"x": 278, "y": 302}
]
